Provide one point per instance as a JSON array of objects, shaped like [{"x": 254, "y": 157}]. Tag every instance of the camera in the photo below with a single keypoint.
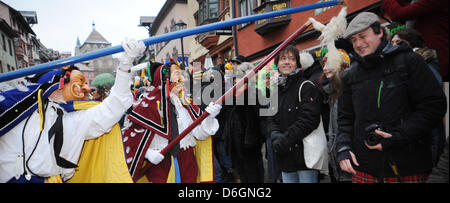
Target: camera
[{"x": 373, "y": 138}]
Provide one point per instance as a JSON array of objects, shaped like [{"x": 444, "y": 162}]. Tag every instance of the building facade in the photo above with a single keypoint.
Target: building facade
[
  {"x": 218, "y": 43},
  {"x": 96, "y": 41},
  {"x": 172, "y": 12},
  {"x": 22, "y": 42},
  {"x": 7, "y": 53},
  {"x": 258, "y": 39}
]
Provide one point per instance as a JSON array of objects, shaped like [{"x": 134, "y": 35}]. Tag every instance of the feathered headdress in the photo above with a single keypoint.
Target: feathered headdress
[{"x": 332, "y": 31}]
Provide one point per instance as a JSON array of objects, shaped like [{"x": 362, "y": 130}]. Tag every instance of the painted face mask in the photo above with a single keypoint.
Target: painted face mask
[
  {"x": 177, "y": 81},
  {"x": 77, "y": 88}
]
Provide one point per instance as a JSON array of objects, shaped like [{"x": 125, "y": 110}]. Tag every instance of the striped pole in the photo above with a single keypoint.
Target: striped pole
[{"x": 160, "y": 38}]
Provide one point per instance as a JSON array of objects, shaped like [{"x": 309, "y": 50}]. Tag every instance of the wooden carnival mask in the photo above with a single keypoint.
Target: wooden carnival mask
[
  {"x": 176, "y": 79},
  {"x": 77, "y": 88}
]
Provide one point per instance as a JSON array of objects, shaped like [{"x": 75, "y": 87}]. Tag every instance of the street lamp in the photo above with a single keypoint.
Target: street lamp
[{"x": 181, "y": 25}]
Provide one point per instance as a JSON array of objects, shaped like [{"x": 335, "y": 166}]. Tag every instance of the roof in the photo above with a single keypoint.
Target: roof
[
  {"x": 20, "y": 19},
  {"x": 7, "y": 29},
  {"x": 146, "y": 20},
  {"x": 30, "y": 16},
  {"x": 96, "y": 38},
  {"x": 163, "y": 13}
]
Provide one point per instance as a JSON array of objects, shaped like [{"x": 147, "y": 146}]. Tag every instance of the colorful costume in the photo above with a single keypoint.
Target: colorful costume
[
  {"x": 155, "y": 121},
  {"x": 44, "y": 128},
  {"x": 55, "y": 150}
]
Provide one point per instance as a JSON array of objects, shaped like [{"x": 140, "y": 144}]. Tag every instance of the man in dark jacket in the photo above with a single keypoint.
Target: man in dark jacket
[
  {"x": 390, "y": 101},
  {"x": 242, "y": 136},
  {"x": 294, "y": 120}
]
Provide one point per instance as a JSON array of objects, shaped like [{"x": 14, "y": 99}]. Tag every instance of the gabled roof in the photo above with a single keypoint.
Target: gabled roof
[
  {"x": 20, "y": 19},
  {"x": 163, "y": 13},
  {"x": 7, "y": 29},
  {"x": 96, "y": 38}
]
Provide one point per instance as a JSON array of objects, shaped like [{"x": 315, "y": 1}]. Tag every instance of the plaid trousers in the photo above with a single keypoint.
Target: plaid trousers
[{"x": 362, "y": 177}]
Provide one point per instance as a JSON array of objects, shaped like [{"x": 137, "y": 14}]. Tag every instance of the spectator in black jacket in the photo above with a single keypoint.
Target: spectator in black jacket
[
  {"x": 243, "y": 138},
  {"x": 389, "y": 104},
  {"x": 294, "y": 120},
  {"x": 415, "y": 40}
]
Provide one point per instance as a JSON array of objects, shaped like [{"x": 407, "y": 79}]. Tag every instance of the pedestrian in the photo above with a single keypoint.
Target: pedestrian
[
  {"x": 44, "y": 143},
  {"x": 159, "y": 118},
  {"x": 334, "y": 62},
  {"x": 414, "y": 40},
  {"x": 294, "y": 120},
  {"x": 330, "y": 86},
  {"x": 428, "y": 17},
  {"x": 214, "y": 80},
  {"x": 388, "y": 105},
  {"x": 242, "y": 134},
  {"x": 267, "y": 80}
]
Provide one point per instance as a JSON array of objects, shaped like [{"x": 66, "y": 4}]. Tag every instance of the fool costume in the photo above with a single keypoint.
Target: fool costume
[
  {"x": 44, "y": 129},
  {"x": 158, "y": 119}
]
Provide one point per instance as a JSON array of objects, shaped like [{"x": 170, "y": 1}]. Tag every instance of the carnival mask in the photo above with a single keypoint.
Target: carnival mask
[
  {"x": 176, "y": 80},
  {"x": 77, "y": 88}
]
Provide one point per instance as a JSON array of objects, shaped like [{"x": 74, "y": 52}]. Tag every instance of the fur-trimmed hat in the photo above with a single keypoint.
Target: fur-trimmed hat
[{"x": 334, "y": 30}]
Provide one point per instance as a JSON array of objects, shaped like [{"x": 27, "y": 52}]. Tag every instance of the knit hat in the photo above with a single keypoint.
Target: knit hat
[{"x": 361, "y": 22}]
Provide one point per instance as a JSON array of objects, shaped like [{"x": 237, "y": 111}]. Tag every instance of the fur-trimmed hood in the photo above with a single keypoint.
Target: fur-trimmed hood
[{"x": 427, "y": 53}]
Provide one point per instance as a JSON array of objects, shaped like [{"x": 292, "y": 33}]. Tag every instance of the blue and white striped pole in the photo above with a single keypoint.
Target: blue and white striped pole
[{"x": 160, "y": 38}]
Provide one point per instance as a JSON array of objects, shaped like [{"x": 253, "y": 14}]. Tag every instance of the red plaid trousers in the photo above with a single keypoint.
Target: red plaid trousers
[{"x": 362, "y": 177}]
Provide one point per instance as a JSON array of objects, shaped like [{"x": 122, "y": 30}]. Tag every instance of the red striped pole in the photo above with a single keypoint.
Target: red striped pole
[{"x": 234, "y": 88}]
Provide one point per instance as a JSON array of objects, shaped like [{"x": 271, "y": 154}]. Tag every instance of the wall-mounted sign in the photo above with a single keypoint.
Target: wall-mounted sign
[{"x": 265, "y": 25}]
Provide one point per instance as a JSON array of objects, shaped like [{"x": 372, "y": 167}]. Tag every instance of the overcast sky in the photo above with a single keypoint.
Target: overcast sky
[{"x": 61, "y": 21}]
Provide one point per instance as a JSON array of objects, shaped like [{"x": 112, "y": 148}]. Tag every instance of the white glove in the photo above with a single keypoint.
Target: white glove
[
  {"x": 139, "y": 67},
  {"x": 154, "y": 156},
  {"x": 132, "y": 49},
  {"x": 213, "y": 109}
]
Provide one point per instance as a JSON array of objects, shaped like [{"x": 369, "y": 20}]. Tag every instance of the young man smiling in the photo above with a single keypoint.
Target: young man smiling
[
  {"x": 390, "y": 101},
  {"x": 294, "y": 120}
]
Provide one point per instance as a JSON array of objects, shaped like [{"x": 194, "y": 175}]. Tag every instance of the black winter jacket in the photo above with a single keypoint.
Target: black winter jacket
[
  {"x": 295, "y": 119},
  {"x": 392, "y": 87},
  {"x": 241, "y": 127}
]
